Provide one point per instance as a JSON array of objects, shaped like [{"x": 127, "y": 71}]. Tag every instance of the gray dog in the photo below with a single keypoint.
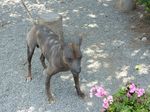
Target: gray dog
[{"x": 60, "y": 56}]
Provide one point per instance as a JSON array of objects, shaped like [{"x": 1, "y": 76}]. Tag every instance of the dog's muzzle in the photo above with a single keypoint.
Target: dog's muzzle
[{"x": 76, "y": 71}]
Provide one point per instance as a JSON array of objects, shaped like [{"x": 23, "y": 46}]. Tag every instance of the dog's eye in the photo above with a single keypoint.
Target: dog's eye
[
  {"x": 80, "y": 57},
  {"x": 69, "y": 59}
]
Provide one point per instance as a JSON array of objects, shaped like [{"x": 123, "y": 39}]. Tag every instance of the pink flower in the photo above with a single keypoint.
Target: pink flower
[
  {"x": 140, "y": 92},
  {"x": 105, "y": 103},
  {"x": 101, "y": 92},
  {"x": 128, "y": 95},
  {"x": 110, "y": 99},
  {"x": 132, "y": 88},
  {"x": 93, "y": 90}
]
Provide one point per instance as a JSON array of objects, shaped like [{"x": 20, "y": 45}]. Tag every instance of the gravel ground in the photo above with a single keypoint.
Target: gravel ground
[{"x": 110, "y": 48}]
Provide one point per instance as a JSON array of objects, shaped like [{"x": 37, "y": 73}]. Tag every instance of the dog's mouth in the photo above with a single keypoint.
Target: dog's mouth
[{"x": 75, "y": 72}]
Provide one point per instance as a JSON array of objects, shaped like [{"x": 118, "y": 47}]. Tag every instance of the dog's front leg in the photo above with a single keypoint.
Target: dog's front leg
[
  {"x": 50, "y": 73},
  {"x": 77, "y": 86}
]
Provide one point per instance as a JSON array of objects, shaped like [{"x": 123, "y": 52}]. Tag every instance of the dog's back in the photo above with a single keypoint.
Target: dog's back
[
  {"x": 40, "y": 31},
  {"x": 49, "y": 43}
]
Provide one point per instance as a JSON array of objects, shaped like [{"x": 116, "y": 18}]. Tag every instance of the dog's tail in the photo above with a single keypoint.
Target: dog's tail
[{"x": 30, "y": 15}]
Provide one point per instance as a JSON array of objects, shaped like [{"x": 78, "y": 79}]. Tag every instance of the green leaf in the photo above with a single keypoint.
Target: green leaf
[{"x": 146, "y": 3}]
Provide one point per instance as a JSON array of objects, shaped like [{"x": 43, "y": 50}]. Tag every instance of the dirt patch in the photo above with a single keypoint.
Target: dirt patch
[
  {"x": 140, "y": 22},
  {"x": 142, "y": 25}
]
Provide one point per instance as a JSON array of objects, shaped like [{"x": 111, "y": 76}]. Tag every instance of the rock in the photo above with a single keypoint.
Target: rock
[
  {"x": 133, "y": 27},
  {"x": 125, "y": 5},
  {"x": 53, "y": 21},
  {"x": 144, "y": 38},
  {"x": 84, "y": 80}
]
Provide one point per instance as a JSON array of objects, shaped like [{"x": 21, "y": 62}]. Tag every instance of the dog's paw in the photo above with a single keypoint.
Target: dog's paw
[
  {"x": 51, "y": 100},
  {"x": 82, "y": 95},
  {"x": 28, "y": 79}
]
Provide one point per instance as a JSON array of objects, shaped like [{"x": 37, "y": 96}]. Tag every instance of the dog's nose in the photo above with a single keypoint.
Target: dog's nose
[{"x": 76, "y": 71}]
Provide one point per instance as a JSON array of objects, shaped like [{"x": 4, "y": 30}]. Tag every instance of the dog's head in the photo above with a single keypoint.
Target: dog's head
[{"x": 72, "y": 55}]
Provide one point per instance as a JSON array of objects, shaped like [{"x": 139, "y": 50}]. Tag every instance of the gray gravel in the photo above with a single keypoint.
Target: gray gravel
[{"x": 110, "y": 53}]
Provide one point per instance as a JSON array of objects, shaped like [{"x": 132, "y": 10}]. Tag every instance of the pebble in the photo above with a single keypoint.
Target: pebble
[{"x": 144, "y": 39}]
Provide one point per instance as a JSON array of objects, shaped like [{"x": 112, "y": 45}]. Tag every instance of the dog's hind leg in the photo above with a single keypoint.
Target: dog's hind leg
[
  {"x": 30, "y": 52},
  {"x": 50, "y": 72},
  {"x": 42, "y": 58}
]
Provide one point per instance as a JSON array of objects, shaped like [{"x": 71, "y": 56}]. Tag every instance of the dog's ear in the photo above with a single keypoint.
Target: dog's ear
[{"x": 79, "y": 39}]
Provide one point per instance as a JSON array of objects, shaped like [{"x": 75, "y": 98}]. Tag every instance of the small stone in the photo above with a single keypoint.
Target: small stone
[
  {"x": 141, "y": 16},
  {"x": 31, "y": 109},
  {"x": 144, "y": 34},
  {"x": 84, "y": 80},
  {"x": 132, "y": 27},
  {"x": 144, "y": 39}
]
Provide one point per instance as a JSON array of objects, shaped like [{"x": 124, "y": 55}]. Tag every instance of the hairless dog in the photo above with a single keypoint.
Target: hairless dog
[{"x": 61, "y": 56}]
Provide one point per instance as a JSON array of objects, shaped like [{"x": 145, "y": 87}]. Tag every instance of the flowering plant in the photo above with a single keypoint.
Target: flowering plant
[
  {"x": 129, "y": 98},
  {"x": 146, "y": 3},
  {"x": 99, "y": 91}
]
